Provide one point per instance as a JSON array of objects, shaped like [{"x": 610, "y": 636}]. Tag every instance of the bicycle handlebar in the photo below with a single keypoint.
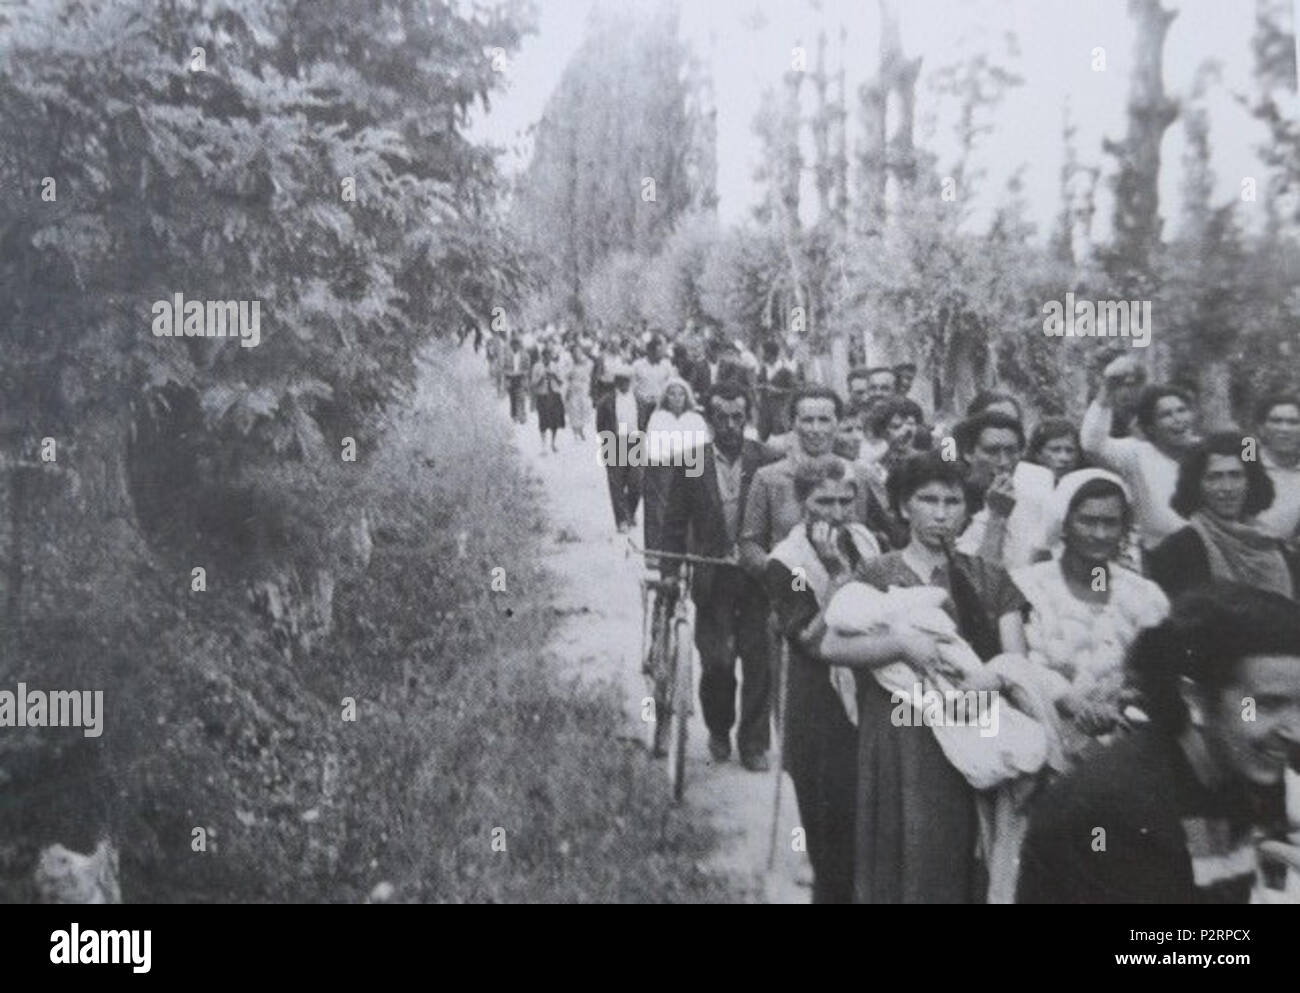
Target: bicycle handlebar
[{"x": 677, "y": 556}]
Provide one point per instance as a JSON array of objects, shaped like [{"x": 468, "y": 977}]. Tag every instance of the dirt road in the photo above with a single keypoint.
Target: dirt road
[{"x": 599, "y": 638}]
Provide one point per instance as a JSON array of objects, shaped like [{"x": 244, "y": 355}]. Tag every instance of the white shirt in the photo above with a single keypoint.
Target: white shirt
[
  {"x": 1081, "y": 642},
  {"x": 1282, "y": 518},
  {"x": 1026, "y": 529},
  {"x": 625, "y": 412},
  {"x": 650, "y": 379},
  {"x": 1150, "y": 474}
]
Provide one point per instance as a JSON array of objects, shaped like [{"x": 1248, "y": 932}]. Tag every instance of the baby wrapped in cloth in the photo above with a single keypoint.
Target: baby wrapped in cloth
[{"x": 1019, "y": 744}]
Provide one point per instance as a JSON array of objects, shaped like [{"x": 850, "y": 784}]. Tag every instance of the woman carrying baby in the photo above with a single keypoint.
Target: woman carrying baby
[{"x": 917, "y": 832}]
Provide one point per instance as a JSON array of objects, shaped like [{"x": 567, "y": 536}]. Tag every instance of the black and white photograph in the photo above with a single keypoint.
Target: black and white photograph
[{"x": 618, "y": 452}]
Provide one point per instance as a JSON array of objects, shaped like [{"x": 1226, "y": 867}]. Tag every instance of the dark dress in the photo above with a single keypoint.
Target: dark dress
[
  {"x": 548, "y": 391},
  {"x": 916, "y": 830},
  {"x": 1181, "y": 563},
  {"x": 820, "y": 746}
]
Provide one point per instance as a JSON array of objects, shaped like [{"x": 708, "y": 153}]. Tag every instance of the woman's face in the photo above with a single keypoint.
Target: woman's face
[
  {"x": 833, "y": 501},
  {"x": 1095, "y": 528},
  {"x": 900, "y": 432},
  {"x": 1061, "y": 455},
  {"x": 1173, "y": 422},
  {"x": 848, "y": 438},
  {"x": 1281, "y": 429},
  {"x": 935, "y": 513},
  {"x": 675, "y": 397},
  {"x": 1223, "y": 486}
]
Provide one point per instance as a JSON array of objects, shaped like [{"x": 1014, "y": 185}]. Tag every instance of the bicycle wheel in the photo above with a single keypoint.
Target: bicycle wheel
[
  {"x": 683, "y": 694},
  {"x": 660, "y": 678}
]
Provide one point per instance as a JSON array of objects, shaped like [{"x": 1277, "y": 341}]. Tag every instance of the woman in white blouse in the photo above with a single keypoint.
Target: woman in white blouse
[
  {"x": 1087, "y": 608},
  {"x": 674, "y": 429}
]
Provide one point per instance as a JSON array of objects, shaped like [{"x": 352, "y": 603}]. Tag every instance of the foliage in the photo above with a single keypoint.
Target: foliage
[
  {"x": 626, "y": 112},
  {"x": 224, "y": 182}
]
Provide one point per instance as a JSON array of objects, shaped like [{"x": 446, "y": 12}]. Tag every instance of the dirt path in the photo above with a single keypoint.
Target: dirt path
[{"x": 599, "y": 637}]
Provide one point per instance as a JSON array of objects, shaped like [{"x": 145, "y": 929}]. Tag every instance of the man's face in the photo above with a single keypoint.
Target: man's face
[
  {"x": 727, "y": 418},
  {"x": 1172, "y": 424},
  {"x": 1256, "y": 750},
  {"x": 900, "y": 432},
  {"x": 935, "y": 513},
  {"x": 1061, "y": 455},
  {"x": 1280, "y": 431},
  {"x": 881, "y": 384},
  {"x": 1094, "y": 529},
  {"x": 815, "y": 425},
  {"x": 652, "y": 351},
  {"x": 905, "y": 376},
  {"x": 622, "y": 383},
  {"x": 859, "y": 391},
  {"x": 834, "y": 502},
  {"x": 996, "y": 452},
  {"x": 1223, "y": 486}
]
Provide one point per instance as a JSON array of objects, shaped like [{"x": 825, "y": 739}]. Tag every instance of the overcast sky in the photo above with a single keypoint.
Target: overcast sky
[{"x": 747, "y": 44}]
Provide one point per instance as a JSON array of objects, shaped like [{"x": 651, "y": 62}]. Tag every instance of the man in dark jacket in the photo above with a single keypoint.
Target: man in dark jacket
[
  {"x": 616, "y": 415},
  {"x": 703, "y": 515},
  {"x": 777, "y": 381},
  {"x": 1192, "y": 807}
]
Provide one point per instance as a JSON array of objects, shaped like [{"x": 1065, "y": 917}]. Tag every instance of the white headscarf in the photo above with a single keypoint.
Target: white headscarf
[
  {"x": 677, "y": 381},
  {"x": 1059, "y": 504}
]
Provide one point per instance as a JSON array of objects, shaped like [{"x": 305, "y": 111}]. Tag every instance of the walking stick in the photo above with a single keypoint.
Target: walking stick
[{"x": 778, "y": 767}]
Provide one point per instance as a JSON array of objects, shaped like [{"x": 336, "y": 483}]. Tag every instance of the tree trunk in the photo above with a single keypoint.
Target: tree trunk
[
  {"x": 839, "y": 362},
  {"x": 823, "y": 170},
  {"x": 787, "y": 198},
  {"x": 17, "y": 559},
  {"x": 839, "y": 145},
  {"x": 1137, "y": 198},
  {"x": 1214, "y": 378},
  {"x": 898, "y": 75},
  {"x": 872, "y": 174}
]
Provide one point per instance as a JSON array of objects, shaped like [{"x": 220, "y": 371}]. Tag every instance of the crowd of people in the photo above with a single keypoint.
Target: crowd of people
[{"x": 1127, "y": 588}]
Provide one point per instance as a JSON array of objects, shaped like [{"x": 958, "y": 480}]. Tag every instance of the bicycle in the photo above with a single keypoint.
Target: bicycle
[{"x": 668, "y": 657}]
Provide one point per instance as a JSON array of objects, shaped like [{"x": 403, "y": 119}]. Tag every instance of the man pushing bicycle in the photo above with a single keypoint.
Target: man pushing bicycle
[{"x": 704, "y": 512}]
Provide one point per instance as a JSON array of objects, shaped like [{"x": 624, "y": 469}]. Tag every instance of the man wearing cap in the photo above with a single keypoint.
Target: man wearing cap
[{"x": 617, "y": 414}]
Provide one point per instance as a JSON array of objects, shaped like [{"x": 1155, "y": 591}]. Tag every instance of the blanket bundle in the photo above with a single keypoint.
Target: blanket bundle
[{"x": 1025, "y": 736}]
